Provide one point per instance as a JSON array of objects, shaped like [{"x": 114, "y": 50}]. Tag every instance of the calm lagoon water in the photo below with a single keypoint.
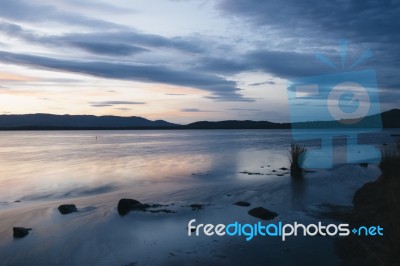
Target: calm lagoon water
[
  {"x": 94, "y": 169},
  {"x": 41, "y": 164}
]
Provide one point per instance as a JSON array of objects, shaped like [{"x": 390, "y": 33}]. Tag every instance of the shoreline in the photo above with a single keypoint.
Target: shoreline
[{"x": 97, "y": 223}]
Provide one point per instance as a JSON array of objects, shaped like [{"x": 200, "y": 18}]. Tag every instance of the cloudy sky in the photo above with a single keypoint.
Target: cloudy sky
[{"x": 184, "y": 61}]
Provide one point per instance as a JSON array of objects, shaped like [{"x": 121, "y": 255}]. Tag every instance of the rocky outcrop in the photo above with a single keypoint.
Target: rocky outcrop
[
  {"x": 20, "y": 232},
  {"x": 242, "y": 204},
  {"x": 127, "y": 205},
  {"x": 67, "y": 208},
  {"x": 375, "y": 203},
  {"x": 262, "y": 213}
]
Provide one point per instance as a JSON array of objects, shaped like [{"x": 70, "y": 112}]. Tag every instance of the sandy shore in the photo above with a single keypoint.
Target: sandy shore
[{"x": 97, "y": 235}]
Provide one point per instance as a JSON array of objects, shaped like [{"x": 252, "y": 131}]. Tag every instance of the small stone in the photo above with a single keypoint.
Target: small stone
[
  {"x": 67, "y": 208},
  {"x": 20, "y": 232},
  {"x": 262, "y": 213},
  {"x": 196, "y": 207},
  {"x": 127, "y": 205},
  {"x": 242, "y": 204}
]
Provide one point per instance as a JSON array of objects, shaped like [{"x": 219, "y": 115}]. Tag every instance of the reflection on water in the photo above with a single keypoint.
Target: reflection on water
[
  {"x": 174, "y": 168},
  {"x": 72, "y": 163}
]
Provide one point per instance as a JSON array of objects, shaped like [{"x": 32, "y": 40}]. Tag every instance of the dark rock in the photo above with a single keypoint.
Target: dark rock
[
  {"x": 196, "y": 207},
  {"x": 371, "y": 193},
  {"x": 154, "y": 205},
  {"x": 242, "y": 204},
  {"x": 363, "y": 164},
  {"x": 67, "y": 208},
  {"x": 375, "y": 203},
  {"x": 250, "y": 173},
  {"x": 162, "y": 210},
  {"x": 127, "y": 205},
  {"x": 20, "y": 232},
  {"x": 262, "y": 213},
  {"x": 283, "y": 168}
]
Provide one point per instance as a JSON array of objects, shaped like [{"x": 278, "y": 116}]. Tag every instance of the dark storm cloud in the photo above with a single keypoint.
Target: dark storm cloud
[
  {"x": 100, "y": 6},
  {"x": 367, "y": 20},
  {"x": 123, "y": 109},
  {"x": 195, "y": 110},
  {"x": 31, "y": 11},
  {"x": 305, "y": 26},
  {"x": 269, "y": 82},
  {"x": 190, "y": 110},
  {"x": 228, "y": 66},
  {"x": 221, "y": 89},
  {"x": 319, "y": 25},
  {"x": 119, "y": 43},
  {"x": 244, "y": 109},
  {"x": 119, "y": 49},
  {"x": 112, "y": 103},
  {"x": 279, "y": 63},
  {"x": 130, "y": 37}
]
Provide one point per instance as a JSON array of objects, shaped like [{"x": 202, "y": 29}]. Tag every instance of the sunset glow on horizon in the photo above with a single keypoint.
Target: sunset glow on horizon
[{"x": 182, "y": 62}]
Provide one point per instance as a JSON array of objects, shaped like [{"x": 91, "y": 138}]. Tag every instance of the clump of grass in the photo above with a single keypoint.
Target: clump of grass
[
  {"x": 390, "y": 161},
  {"x": 296, "y": 156}
]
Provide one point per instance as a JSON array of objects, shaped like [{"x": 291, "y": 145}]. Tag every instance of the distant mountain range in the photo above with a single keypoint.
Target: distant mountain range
[
  {"x": 49, "y": 121},
  {"x": 390, "y": 119}
]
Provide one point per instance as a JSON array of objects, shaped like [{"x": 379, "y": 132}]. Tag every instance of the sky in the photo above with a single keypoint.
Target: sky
[{"x": 186, "y": 60}]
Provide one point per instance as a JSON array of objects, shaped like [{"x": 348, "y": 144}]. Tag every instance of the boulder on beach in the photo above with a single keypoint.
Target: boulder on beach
[
  {"x": 127, "y": 205},
  {"x": 262, "y": 213},
  {"x": 20, "y": 232},
  {"x": 67, "y": 208},
  {"x": 242, "y": 204}
]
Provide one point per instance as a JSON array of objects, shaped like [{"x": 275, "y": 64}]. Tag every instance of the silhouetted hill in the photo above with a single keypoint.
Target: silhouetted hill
[
  {"x": 235, "y": 124},
  {"x": 37, "y": 121},
  {"x": 390, "y": 119}
]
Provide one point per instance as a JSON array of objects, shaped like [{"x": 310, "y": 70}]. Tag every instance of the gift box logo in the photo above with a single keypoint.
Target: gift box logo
[{"x": 345, "y": 104}]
